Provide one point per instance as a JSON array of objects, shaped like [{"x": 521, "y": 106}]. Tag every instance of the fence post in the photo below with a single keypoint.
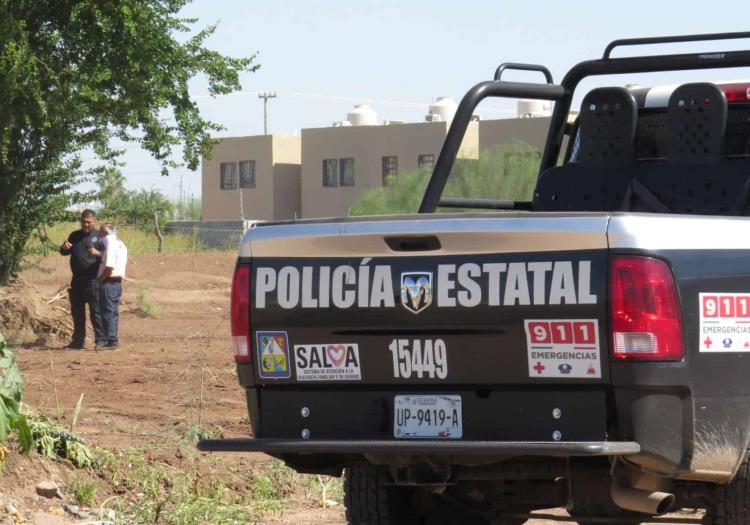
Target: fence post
[{"x": 158, "y": 233}]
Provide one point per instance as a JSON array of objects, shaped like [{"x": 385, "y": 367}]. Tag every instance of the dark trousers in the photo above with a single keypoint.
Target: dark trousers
[
  {"x": 84, "y": 291},
  {"x": 109, "y": 299}
]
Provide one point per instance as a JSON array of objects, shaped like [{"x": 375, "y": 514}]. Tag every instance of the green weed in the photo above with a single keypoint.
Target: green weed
[
  {"x": 83, "y": 491},
  {"x": 144, "y": 306},
  {"x": 205, "y": 489}
]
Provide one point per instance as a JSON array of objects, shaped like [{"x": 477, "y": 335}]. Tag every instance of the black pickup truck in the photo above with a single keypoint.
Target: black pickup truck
[{"x": 588, "y": 348}]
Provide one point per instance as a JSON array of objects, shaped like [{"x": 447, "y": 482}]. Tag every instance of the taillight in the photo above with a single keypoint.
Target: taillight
[
  {"x": 645, "y": 310},
  {"x": 241, "y": 313},
  {"x": 739, "y": 92}
]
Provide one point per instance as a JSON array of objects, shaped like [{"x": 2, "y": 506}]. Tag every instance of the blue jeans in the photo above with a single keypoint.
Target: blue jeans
[
  {"x": 109, "y": 304},
  {"x": 82, "y": 291}
]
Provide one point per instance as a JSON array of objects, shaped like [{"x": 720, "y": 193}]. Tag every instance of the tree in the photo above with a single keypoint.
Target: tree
[
  {"x": 143, "y": 204},
  {"x": 112, "y": 194},
  {"x": 504, "y": 172},
  {"x": 76, "y": 74},
  {"x": 129, "y": 206}
]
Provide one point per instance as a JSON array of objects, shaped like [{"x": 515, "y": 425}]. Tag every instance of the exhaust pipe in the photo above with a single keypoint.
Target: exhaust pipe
[{"x": 654, "y": 503}]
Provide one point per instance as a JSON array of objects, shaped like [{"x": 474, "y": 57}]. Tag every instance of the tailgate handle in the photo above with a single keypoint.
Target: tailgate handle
[{"x": 422, "y": 243}]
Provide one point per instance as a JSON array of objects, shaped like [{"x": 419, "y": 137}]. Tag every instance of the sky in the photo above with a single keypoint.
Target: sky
[{"x": 322, "y": 57}]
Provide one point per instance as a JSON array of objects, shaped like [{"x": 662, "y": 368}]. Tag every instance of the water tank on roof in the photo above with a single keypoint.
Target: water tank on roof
[
  {"x": 362, "y": 115},
  {"x": 533, "y": 108},
  {"x": 442, "y": 110}
]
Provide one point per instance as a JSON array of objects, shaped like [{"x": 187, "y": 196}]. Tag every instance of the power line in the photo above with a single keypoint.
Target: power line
[{"x": 346, "y": 98}]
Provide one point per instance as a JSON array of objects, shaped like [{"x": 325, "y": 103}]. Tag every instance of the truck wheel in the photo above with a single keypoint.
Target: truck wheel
[
  {"x": 730, "y": 504},
  {"x": 371, "y": 501}
]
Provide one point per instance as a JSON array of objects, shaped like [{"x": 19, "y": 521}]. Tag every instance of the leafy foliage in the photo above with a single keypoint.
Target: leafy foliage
[
  {"x": 505, "y": 172},
  {"x": 11, "y": 392},
  {"x": 77, "y": 74},
  {"x": 53, "y": 441},
  {"x": 131, "y": 207}
]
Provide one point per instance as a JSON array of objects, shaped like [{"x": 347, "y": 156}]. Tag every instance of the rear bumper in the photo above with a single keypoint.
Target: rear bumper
[{"x": 422, "y": 448}]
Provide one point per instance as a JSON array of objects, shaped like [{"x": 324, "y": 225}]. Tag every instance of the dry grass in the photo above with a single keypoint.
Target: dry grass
[{"x": 138, "y": 241}]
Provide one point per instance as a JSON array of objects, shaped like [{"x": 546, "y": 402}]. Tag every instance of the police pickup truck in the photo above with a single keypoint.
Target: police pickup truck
[{"x": 588, "y": 348}]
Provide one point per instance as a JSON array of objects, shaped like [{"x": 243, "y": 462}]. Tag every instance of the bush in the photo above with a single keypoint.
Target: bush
[{"x": 505, "y": 172}]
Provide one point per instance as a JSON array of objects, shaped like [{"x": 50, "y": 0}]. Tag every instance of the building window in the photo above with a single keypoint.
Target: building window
[
  {"x": 346, "y": 170},
  {"x": 330, "y": 177},
  {"x": 228, "y": 172},
  {"x": 247, "y": 174},
  {"x": 426, "y": 161},
  {"x": 390, "y": 170}
]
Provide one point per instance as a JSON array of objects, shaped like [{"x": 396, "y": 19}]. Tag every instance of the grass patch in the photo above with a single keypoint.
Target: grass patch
[
  {"x": 143, "y": 305},
  {"x": 83, "y": 491},
  {"x": 204, "y": 489},
  {"x": 138, "y": 241}
]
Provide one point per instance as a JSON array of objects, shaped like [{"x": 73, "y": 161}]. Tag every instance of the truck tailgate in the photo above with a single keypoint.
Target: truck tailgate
[{"x": 504, "y": 299}]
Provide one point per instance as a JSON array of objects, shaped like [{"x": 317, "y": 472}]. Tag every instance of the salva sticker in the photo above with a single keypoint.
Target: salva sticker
[
  {"x": 328, "y": 362},
  {"x": 563, "y": 348}
]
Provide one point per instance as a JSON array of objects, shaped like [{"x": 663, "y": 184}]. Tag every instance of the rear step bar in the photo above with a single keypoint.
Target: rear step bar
[{"x": 505, "y": 448}]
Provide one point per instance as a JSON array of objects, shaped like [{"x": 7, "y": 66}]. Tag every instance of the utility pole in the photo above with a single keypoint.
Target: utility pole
[{"x": 265, "y": 96}]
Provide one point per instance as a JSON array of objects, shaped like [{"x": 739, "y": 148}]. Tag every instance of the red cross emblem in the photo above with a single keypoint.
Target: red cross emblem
[
  {"x": 539, "y": 367},
  {"x": 708, "y": 342}
]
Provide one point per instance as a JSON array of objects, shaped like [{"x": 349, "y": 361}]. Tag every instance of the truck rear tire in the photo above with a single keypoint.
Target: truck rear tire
[
  {"x": 370, "y": 500},
  {"x": 730, "y": 504}
]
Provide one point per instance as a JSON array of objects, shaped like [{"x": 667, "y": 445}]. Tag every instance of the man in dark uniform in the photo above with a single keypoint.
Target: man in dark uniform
[{"x": 84, "y": 288}]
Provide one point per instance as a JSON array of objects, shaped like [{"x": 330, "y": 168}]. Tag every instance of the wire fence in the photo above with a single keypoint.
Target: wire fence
[{"x": 142, "y": 239}]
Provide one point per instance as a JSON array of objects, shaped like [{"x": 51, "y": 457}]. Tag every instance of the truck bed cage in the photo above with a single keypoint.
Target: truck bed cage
[{"x": 562, "y": 94}]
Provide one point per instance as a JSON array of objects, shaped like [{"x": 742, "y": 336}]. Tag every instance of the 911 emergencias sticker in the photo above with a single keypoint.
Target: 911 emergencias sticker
[
  {"x": 724, "y": 322},
  {"x": 563, "y": 348}
]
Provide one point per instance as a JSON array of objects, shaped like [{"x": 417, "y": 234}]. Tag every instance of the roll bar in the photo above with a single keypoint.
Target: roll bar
[{"x": 562, "y": 94}]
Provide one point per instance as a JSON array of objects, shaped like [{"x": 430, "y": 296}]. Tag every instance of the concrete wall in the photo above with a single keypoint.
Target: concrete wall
[
  {"x": 287, "y": 149},
  {"x": 287, "y": 195},
  {"x": 367, "y": 145},
  {"x": 287, "y": 156}
]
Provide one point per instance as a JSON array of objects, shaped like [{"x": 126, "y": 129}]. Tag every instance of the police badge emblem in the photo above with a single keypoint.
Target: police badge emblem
[{"x": 416, "y": 290}]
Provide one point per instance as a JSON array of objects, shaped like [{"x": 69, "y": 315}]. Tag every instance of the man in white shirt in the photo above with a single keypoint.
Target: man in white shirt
[{"x": 111, "y": 275}]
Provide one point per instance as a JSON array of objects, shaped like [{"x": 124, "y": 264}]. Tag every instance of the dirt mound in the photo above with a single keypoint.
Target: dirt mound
[{"x": 29, "y": 316}]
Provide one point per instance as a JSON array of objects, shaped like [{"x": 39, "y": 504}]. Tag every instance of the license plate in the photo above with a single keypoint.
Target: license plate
[{"x": 427, "y": 417}]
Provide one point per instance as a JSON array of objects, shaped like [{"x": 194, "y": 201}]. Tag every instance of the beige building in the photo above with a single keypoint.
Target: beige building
[
  {"x": 254, "y": 177},
  {"x": 325, "y": 170},
  {"x": 339, "y": 163}
]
